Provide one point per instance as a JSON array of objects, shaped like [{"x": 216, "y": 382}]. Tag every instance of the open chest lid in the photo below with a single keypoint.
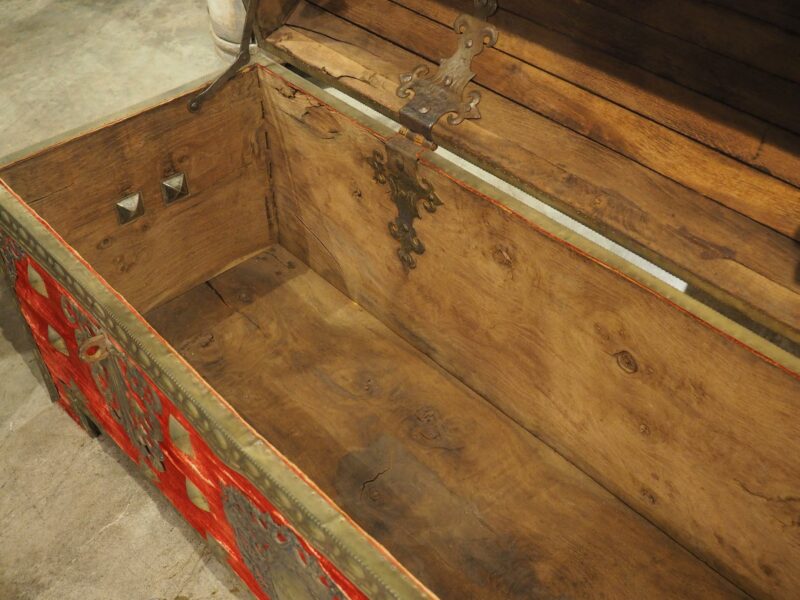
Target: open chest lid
[{"x": 640, "y": 121}]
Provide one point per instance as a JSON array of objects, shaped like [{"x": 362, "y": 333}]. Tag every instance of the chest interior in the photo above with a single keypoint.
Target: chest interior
[{"x": 451, "y": 409}]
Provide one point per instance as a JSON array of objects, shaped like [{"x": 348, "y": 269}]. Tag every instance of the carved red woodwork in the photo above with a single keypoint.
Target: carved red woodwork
[{"x": 99, "y": 385}]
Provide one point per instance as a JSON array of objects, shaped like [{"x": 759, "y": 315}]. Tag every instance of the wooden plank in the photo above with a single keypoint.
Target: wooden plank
[
  {"x": 726, "y": 32},
  {"x": 272, "y": 14},
  {"x": 764, "y": 146},
  {"x": 222, "y": 152},
  {"x": 731, "y": 82},
  {"x": 410, "y": 453},
  {"x": 784, "y": 14},
  {"x": 633, "y": 205},
  {"x": 686, "y": 425},
  {"x": 737, "y": 186}
]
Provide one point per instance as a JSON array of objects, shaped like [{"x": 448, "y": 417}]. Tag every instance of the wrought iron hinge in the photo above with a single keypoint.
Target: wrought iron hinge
[
  {"x": 399, "y": 169},
  {"x": 241, "y": 59},
  {"x": 442, "y": 93}
]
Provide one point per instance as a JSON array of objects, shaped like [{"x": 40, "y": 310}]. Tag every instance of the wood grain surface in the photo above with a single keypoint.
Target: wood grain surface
[
  {"x": 272, "y": 14},
  {"x": 222, "y": 152},
  {"x": 784, "y": 14},
  {"x": 735, "y": 83},
  {"x": 719, "y": 29},
  {"x": 472, "y": 504},
  {"x": 687, "y": 426}
]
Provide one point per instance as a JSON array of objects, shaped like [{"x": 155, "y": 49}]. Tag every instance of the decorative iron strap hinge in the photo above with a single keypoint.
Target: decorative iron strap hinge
[
  {"x": 241, "y": 59},
  {"x": 443, "y": 92},
  {"x": 399, "y": 169},
  {"x": 432, "y": 97}
]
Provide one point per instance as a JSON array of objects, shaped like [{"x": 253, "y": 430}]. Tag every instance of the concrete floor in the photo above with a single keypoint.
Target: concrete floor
[{"x": 77, "y": 521}]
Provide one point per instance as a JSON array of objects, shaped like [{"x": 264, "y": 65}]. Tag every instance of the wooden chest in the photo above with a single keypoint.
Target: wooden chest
[{"x": 364, "y": 366}]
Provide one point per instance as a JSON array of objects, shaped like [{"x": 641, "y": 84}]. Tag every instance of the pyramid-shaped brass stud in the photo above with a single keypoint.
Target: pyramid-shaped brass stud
[
  {"x": 36, "y": 282},
  {"x": 174, "y": 188},
  {"x": 56, "y": 341},
  {"x": 130, "y": 208}
]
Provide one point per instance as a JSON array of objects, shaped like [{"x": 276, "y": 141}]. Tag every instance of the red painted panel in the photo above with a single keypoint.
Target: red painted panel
[{"x": 46, "y": 316}]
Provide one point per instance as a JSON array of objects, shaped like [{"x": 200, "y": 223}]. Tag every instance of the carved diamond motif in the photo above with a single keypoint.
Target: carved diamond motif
[
  {"x": 35, "y": 280},
  {"x": 56, "y": 341}
]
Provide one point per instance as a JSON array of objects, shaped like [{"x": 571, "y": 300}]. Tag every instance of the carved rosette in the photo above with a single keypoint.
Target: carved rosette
[
  {"x": 132, "y": 401},
  {"x": 283, "y": 569}
]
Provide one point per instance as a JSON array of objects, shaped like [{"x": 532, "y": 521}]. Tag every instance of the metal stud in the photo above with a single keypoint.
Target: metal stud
[
  {"x": 130, "y": 208},
  {"x": 174, "y": 188}
]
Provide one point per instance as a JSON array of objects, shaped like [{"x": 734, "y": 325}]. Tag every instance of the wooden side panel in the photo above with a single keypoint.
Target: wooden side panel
[
  {"x": 690, "y": 428},
  {"x": 220, "y": 149},
  {"x": 683, "y": 231},
  {"x": 411, "y": 453}
]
